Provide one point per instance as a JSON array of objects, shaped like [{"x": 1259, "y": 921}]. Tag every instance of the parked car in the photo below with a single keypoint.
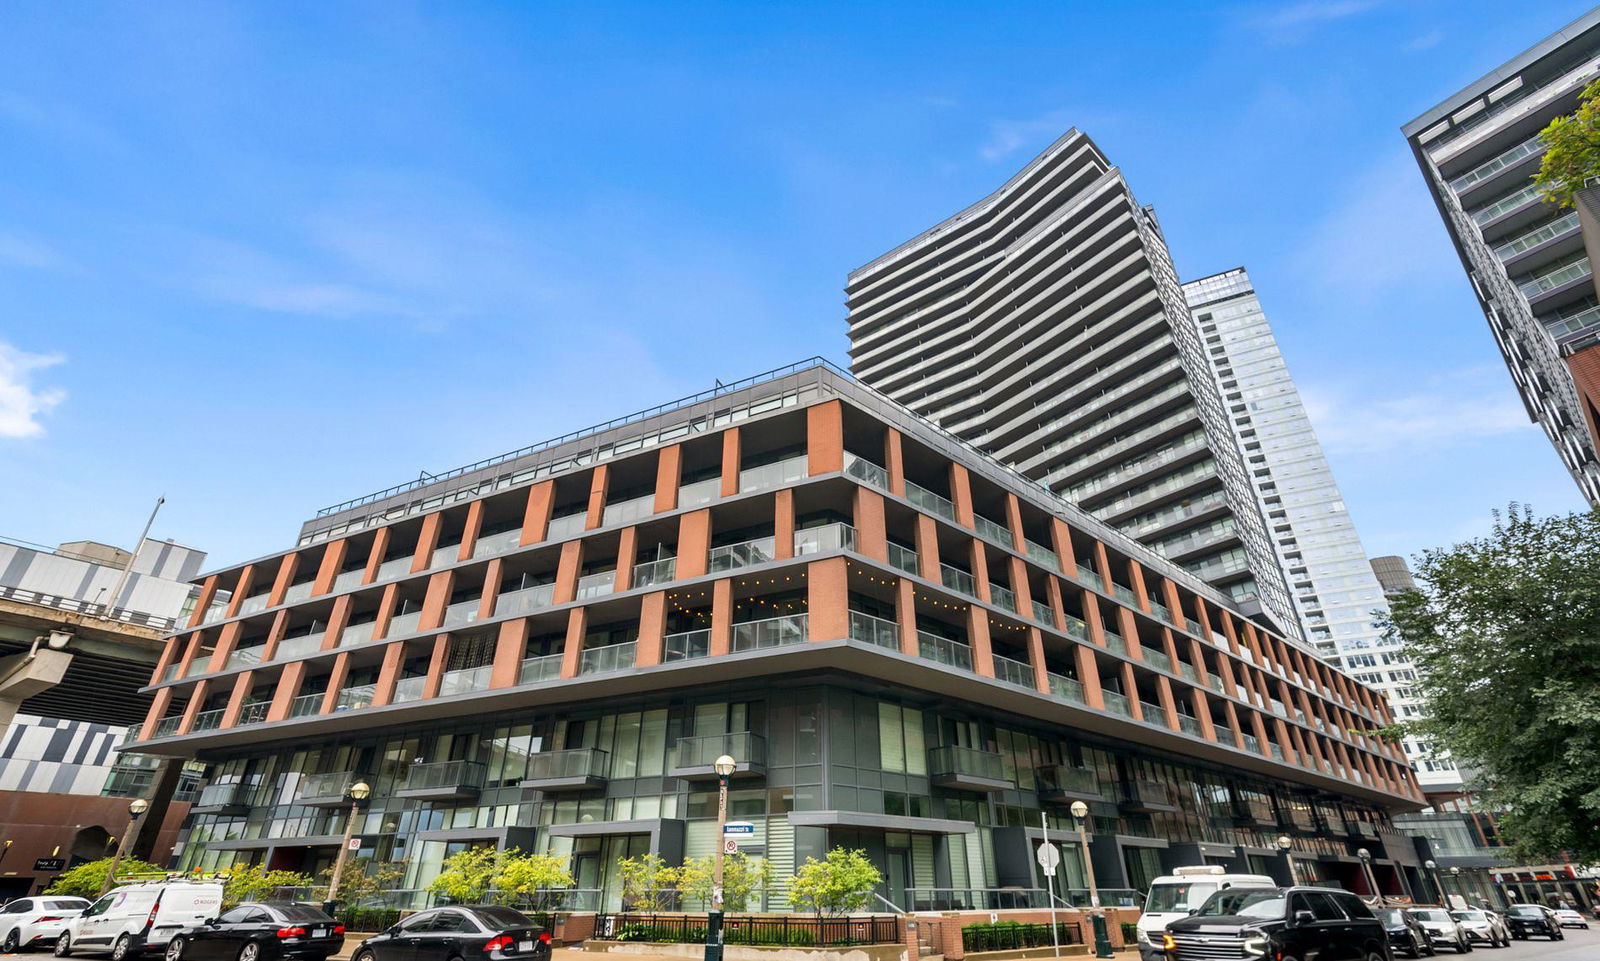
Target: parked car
[
  {"x": 1406, "y": 935},
  {"x": 1257, "y": 923},
  {"x": 29, "y": 921},
  {"x": 1568, "y": 918},
  {"x": 260, "y": 931},
  {"x": 1172, "y": 896},
  {"x": 1442, "y": 929},
  {"x": 489, "y": 932},
  {"x": 135, "y": 917},
  {"x": 1484, "y": 926},
  {"x": 1533, "y": 921}
]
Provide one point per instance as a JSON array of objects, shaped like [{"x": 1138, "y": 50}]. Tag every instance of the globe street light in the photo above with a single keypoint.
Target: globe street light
[
  {"x": 1366, "y": 868},
  {"x": 1286, "y": 845},
  {"x": 1097, "y": 917},
  {"x": 1455, "y": 875},
  {"x": 724, "y": 766},
  {"x": 136, "y": 808},
  {"x": 355, "y": 794},
  {"x": 1438, "y": 885}
]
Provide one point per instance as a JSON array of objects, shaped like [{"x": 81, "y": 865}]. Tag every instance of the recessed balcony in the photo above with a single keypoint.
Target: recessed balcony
[
  {"x": 1061, "y": 784},
  {"x": 967, "y": 769},
  {"x": 694, "y": 757},
  {"x": 581, "y": 769},
  {"x": 1147, "y": 796},
  {"x": 442, "y": 781},
  {"x": 1245, "y": 812}
]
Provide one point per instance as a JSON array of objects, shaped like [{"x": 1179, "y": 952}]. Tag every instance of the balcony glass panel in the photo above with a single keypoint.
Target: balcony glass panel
[
  {"x": 445, "y": 554},
  {"x": 655, "y": 572},
  {"x": 930, "y": 502},
  {"x": 465, "y": 680},
  {"x": 866, "y": 471},
  {"x": 903, "y": 558},
  {"x": 700, "y": 492},
  {"x": 1224, "y": 734},
  {"x": 1115, "y": 642},
  {"x": 333, "y": 784},
  {"x": 1542, "y": 234},
  {"x": 629, "y": 510},
  {"x": 771, "y": 632},
  {"x": 1003, "y": 597},
  {"x": 292, "y": 647},
  {"x": 1043, "y": 555},
  {"x": 297, "y": 592},
  {"x": 254, "y": 713},
  {"x": 1566, "y": 273},
  {"x": 942, "y": 650},
  {"x": 597, "y": 585},
  {"x": 1077, "y": 628},
  {"x": 253, "y": 603},
  {"x": 1043, "y": 614},
  {"x": 1012, "y": 671},
  {"x": 348, "y": 579},
  {"x": 1066, "y": 688},
  {"x": 951, "y": 759},
  {"x": 406, "y": 689},
  {"x": 462, "y": 612},
  {"x": 1125, "y": 595},
  {"x": 1154, "y": 714},
  {"x": 306, "y": 704},
  {"x": 546, "y": 667},
  {"x": 874, "y": 630},
  {"x": 245, "y": 656},
  {"x": 1251, "y": 742},
  {"x": 686, "y": 646},
  {"x": 525, "y": 601},
  {"x": 772, "y": 475},
  {"x": 1496, "y": 164},
  {"x": 608, "y": 659},
  {"x": 992, "y": 531},
  {"x": 958, "y": 580},
  {"x": 443, "y": 774},
  {"x": 576, "y": 763},
  {"x": 492, "y": 544},
  {"x": 207, "y": 721},
  {"x": 565, "y": 526},
  {"x": 402, "y": 624},
  {"x": 1116, "y": 703},
  {"x": 171, "y": 672},
  {"x": 1157, "y": 659},
  {"x": 357, "y": 633},
  {"x": 745, "y": 554},
  {"x": 168, "y": 726},
  {"x": 828, "y": 537},
  {"x": 214, "y": 613},
  {"x": 1520, "y": 197},
  {"x": 697, "y": 752},
  {"x": 1188, "y": 672},
  {"x": 354, "y": 698},
  {"x": 392, "y": 568}
]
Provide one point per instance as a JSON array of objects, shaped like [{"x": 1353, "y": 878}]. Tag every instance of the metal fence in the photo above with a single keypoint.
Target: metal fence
[{"x": 746, "y": 929}]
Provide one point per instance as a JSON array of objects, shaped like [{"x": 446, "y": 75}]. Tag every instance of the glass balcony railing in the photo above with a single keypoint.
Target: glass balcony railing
[
  {"x": 357, "y": 633},
  {"x": 1066, "y": 688},
  {"x": 525, "y": 600},
  {"x": 1012, "y": 671},
  {"x": 443, "y": 775},
  {"x": 445, "y": 554},
  {"x": 1224, "y": 734},
  {"x": 402, "y": 624},
  {"x": 629, "y": 510},
  {"x": 1494, "y": 165},
  {"x": 1572, "y": 270},
  {"x": 565, "y": 526},
  {"x": 828, "y": 537},
  {"x": 230, "y": 794},
  {"x": 465, "y": 680},
  {"x": 1077, "y": 628},
  {"x": 1115, "y": 642},
  {"x": 392, "y": 568},
  {"x": 761, "y": 550},
  {"x": 655, "y": 572},
  {"x": 245, "y": 657},
  {"x": 700, "y": 492},
  {"x": 214, "y": 613},
  {"x": 346, "y": 580},
  {"x": 405, "y": 689},
  {"x": 903, "y": 559},
  {"x": 168, "y": 726},
  {"x": 771, "y": 632},
  {"x": 942, "y": 650},
  {"x": 1043, "y": 555},
  {"x": 1157, "y": 659},
  {"x": 874, "y": 630},
  {"x": 686, "y": 646},
  {"x": 1542, "y": 234},
  {"x": 332, "y": 786},
  {"x": 293, "y": 647},
  {"x": 1125, "y": 595},
  {"x": 583, "y": 762},
  {"x": 1003, "y": 597},
  {"x": 306, "y": 705},
  {"x": 206, "y": 721},
  {"x": 1187, "y": 672},
  {"x": 1153, "y": 713},
  {"x": 252, "y": 604},
  {"x": 703, "y": 751},
  {"x": 608, "y": 659},
  {"x": 490, "y": 545},
  {"x": 354, "y": 698},
  {"x": 933, "y": 503},
  {"x": 951, "y": 760},
  {"x": 462, "y": 612},
  {"x": 992, "y": 531},
  {"x": 544, "y": 667},
  {"x": 1043, "y": 614},
  {"x": 297, "y": 592},
  {"x": 772, "y": 475},
  {"x": 1252, "y": 743},
  {"x": 598, "y": 584},
  {"x": 958, "y": 580},
  {"x": 1117, "y": 703},
  {"x": 172, "y": 672},
  {"x": 866, "y": 471},
  {"x": 1518, "y": 198},
  {"x": 254, "y": 712}
]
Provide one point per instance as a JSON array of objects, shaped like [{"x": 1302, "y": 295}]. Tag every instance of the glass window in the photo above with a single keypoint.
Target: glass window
[
  {"x": 498, "y": 918},
  {"x": 236, "y": 916},
  {"x": 19, "y": 907},
  {"x": 1244, "y": 902},
  {"x": 418, "y": 922},
  {"x": 1323, "y": 907}
]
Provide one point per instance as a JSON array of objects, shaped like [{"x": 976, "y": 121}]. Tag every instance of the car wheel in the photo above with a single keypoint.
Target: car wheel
[
  {"x": 364, "y": 955},
  {"x": 1376, "y": 956},
  {"x": 12, "y": 943},
  {"x": 1463, "y": 946},
  {"x": 250, "y": 952},
  {"x": 123, "y": 949},
  {"x": 1429, "y": 949},
  {"x": 175, "y": 949},
  {"x": 64, "y": 946}
]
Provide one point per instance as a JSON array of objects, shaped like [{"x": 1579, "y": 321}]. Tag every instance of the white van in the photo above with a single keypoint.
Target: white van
[
  {"x": 1172, "y": 896},
  {"x": 135, "y": 917}
]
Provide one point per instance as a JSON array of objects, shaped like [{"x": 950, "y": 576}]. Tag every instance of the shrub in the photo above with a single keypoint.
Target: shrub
[
  {"x": 86, "y": 880},
  {"x": 1011, "y": 935}
]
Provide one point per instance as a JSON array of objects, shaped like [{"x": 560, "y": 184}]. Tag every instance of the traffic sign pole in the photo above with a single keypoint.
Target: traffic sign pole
[{"x": 1049, "y": 857}]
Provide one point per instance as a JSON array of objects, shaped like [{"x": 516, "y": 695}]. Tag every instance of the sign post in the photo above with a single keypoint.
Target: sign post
[{"x": 1049, "y": 859}]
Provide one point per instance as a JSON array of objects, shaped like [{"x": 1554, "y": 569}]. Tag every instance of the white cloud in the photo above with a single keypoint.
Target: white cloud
[
  {"x": 1006, "y": 137},
  {"x": 21, "y": 401},
  {"x": 21, "y": 251},
  {"x": 1455, "y": 408},
  {"x": 1295, "y": 22},
  {"x": 1427, "y": 41}
]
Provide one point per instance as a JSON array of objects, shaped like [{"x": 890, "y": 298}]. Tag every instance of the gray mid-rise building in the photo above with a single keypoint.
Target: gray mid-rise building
[
  {"x": 1525, "y": 257},
  {"x": 1046, "y": 326}
]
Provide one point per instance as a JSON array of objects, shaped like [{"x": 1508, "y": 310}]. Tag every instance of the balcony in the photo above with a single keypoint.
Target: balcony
[
  {"x": 405, "y": 689},
  {"x": 224, "y": 800},
  {"x": 297, "y": 592},
  {"x": 404, "y": 624},
  {"x": 761, "y": 550},
  {"x": 1156, "y": 659},
  {"x": 773, "y": 475},
  {"x": 580, "y": 769},
  {"x": 828, "y": 537},
  {"x": 992, "y": 531},
  {"x": 596, "y": 585},
  {"x": 326, "y": 790},
  {"x": 357, "y": 633},
  {"x": 1245, "y": 812},
  {"x": 534, "y": 670},
  {"x": 699, "y": 492},
  {"x": 942, "y": 650},
  {"x": 686, "y": 646},
  {"x": 958, "y": 580},
  {"x": 307, "y": 704},
  {"x": 1043, "y": 614},
  {"x": 1360, "y": 829},
  {"x": 1189, "y": 724},
  {"x": 1009, "y": 670},
  {"x": 490, "y": 545},
  {"x": 1003, "y": 598},
  {"x": 609, "y": 659},
  {"x": 771, "y": 632},
  {"x": 462, "y": 613},
  {"x": 866, "y": 471},
  {"x": 525, "y": 601},
  {"x": 693, "y": 757},
  {"x": 214, "y": 613},
  {"x": 1116, "y": 703},
  {"x": 245, "y": 657},
  {"x": 253, "y": 713},
  {"x": 874, "y": 630},
  {"x": 936, "y": 504},
  {"x": 206, "y": 721},
  {"x": 1066, "y": 688},
  {"x": 168, "y": 726},
  {"x": 629, "y": 510},
  {"x": 465, "y": 680},
  {"x": 1040, "y": 554},
  {"x": 1298, "y": 820},
  {"x": 290, "y": 648},
  {"x": 1147, "y": 796},
  {"x": 1077, "y": 628},
  {"x": 355, "y": 698},
  {"x": 252, "y": 604},
  {"x": 903, "y": 559},
  {"x": 1115, "y": 643},
  {"x": 392, "y": 568},
  {"x": 1153, "y": 713},
  {"x": 567, "y": 525},
  {"x": 967, "y": 769},
  {"x": 655, "y": 572},
  {"x": 1061, "y": 784},
  {"x": 442, "y": 781}
]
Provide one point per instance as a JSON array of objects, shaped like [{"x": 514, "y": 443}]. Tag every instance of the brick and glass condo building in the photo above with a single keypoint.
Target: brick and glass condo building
[{"x": 907, "y": 647}]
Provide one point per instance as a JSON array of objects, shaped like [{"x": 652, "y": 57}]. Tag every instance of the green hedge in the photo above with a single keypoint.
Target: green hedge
[
  {"x": 1130, "y": 932},
  {"x": 680, "y": 933},
  {"x": 1011, "y": 935},
  {"x": 368, "y": 919}
]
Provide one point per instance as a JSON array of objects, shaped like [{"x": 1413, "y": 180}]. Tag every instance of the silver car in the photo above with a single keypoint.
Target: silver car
[
  {"x": 1443, "y": 931},
  {"x": 1484, "y": 926},
  {"x": 29, "y": 921}
]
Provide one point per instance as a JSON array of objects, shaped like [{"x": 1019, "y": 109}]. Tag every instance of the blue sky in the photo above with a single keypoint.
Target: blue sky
[{"x": 261, "y": 258}]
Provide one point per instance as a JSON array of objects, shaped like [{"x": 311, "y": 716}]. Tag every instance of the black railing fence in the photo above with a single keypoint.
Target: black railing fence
[{"x": 745, "y": 929}]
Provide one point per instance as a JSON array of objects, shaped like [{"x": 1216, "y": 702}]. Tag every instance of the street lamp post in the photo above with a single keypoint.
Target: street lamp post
[
  {"x": 1433, "y": 874},
  {"x": 1286, "y": 845},
  {"x": 137, "y": 807},
  {"x": 1097, "y": 915},
  {"x": 356, "y": 793},
  {"x": 1366, "y": 868},
  {"x": 724, "y": 766},
  {"x": 1455, "y": 875}
]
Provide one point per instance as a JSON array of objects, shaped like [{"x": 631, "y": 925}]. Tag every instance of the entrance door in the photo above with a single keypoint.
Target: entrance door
[{"x": 899, "y": 878}]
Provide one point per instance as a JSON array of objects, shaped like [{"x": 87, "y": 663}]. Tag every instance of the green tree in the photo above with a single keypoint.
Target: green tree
[
  {"x": 1505, "y": 633},
  {"x": 523, "y": 876},
  {"x": 466, "y": 877},
  {"x": 86, "y": 880},
  {"x": 253, "y": 882},
  {"x": 365, "y": 880},
  {"x": 647, "y": 882},
  {"x": 742, "y": 877},
  {"x": 839, "y": 884},
  {"x": 1572, "y": 150}
]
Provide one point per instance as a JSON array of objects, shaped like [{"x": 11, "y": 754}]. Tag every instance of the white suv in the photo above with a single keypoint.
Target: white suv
[{"x": 138, "y": 916}]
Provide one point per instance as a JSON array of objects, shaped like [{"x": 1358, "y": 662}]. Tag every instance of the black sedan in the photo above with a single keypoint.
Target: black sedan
[
  {"x": 1406, "y": 934},
  {"x": 490, "y": 932},
  {"x": 261, "y": 931},
  {"x": 1533, "y": 921}
]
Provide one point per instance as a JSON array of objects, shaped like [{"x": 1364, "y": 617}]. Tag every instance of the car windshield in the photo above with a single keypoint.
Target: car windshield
[
  {"x": 1432, "y": 915},
  {"x": 1470, "y": 916},
  {"x": 1392, "y": 916},
  {"x": 1265, "y": 903},
  {"x": 502, "y": 918},
  {"x": 1525, "y": 911},
  {"x": 1172, "y": 898}
]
